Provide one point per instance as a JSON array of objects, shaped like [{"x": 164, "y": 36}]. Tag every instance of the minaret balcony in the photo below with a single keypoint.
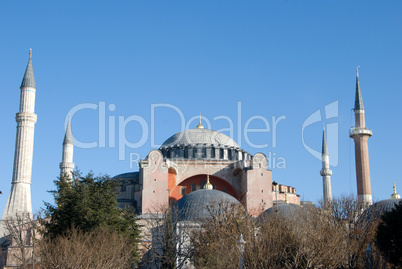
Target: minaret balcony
[
  {"x": 326, "y": 172},
  {"x": 360, "y": 131}
]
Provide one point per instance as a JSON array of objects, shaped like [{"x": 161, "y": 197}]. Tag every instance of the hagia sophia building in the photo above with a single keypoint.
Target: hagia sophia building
[
  {"x": 186, "y": 162},
  {"x": 183, "y": 163}
]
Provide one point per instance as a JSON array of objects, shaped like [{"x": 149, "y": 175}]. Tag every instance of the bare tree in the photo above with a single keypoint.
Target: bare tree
[
  {"x": 165, "y": 239},
  {"x": 101, "y": 248},
  {"x": 19, "y": 242},
  {"x": 310, "y": 237},
  {"x": 214, "y": 244},
  {"x": 359, "y": 229}
]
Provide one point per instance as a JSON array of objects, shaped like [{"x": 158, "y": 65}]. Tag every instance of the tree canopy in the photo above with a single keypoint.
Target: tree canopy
[
  {"x": 389, "y": 235},
  {"x": 88, "y": 203}
]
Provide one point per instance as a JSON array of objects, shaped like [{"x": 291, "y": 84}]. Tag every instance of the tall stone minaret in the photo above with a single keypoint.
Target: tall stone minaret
[
  {"x": 67, "y": 165},
  {"x": 360, "y": 135},
  {"x": 19, "y": 200},
  {"x": 325, "y": 172}
]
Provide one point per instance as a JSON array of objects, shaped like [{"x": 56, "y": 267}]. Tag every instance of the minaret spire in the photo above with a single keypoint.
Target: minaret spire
[
  {"x": 67, "y": 165},
  {"x": 29, "y": 79},
  {"x": 19, "y": 200},
  {"x": 324, "y": 142},
  {"x": 360, "y": 135},
  {"x": 358, "y": 99},
  {"x": 325, "y": 172}
]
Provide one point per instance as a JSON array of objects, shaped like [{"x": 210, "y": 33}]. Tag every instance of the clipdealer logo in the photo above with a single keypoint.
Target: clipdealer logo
[
  {"x": 331, "y": 111},
  {"x": 112, "y": 130}
]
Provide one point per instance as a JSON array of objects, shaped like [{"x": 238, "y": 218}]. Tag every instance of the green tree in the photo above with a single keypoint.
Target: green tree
[
  {"x": 389, "y": 235},
  {"x": 88, "y": 203}
]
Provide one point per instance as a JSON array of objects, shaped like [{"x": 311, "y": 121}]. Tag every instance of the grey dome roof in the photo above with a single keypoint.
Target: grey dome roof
[
  {"x": 200, "y": 136},
  {"x": 128, "y": 177},
  {"x": 281, "y": 210},
  {"x": 197, "y": 205},
  {"x": 376, "y": 210}
]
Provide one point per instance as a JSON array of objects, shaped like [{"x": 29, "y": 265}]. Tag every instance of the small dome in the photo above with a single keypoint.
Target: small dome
[
  {"x": 281, "y": 210},
  {"x": 197, "y": 205},
  {"x": 200, "y": 136},
  {"x": 376, "y": 210},
  {"x": 127, "y": 179}
]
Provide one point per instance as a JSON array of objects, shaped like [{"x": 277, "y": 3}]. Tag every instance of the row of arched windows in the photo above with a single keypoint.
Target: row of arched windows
[{"x": 206, "y": 153}]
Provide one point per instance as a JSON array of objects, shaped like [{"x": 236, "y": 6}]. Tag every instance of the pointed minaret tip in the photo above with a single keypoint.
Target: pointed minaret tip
[
  {"x": 29, "y": 79},
  {"x": 199, "y": 123},
  {"x": 324, "y": 142},
  {"x": 68, "y": 137},
  {"x": 358, "y": 98}
]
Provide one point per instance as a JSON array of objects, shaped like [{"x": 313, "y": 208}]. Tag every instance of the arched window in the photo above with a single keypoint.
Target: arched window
[{"x": 204, "y": 153}]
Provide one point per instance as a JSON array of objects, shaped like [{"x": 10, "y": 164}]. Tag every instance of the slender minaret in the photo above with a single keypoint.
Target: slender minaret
[
  {"x": 325, "y": 172},
  {"x": 67, "y": 165},
  {"x": 360, "y": 135},
  {"x": 19, "y": 200}
]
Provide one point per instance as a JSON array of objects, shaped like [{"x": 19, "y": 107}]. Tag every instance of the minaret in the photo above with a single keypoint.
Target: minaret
[
  {"x": 19, "y": 200},
  {"x": 67, "y": 165},
  {"x": 325, "y": 172},
  {"x": 360, "y": 135}
]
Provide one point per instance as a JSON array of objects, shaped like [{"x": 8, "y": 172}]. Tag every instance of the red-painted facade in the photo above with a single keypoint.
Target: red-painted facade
[{"x": 196, "y": 183}]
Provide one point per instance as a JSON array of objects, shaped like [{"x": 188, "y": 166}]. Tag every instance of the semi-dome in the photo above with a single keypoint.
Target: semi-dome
[
  {"x": 201, "y": 137},
  {"x": 129, "y": 184},
  {"x": 127, "y": 176},
  {"x": 376, "y": 210},
  {"x": 281, "y": 210},
  {"x": 198, "y": 205}
]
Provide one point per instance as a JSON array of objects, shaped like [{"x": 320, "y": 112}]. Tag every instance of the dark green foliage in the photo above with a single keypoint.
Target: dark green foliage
[
  {"x": 88, "y": 203},
  {"x": 389, "y": 235}
]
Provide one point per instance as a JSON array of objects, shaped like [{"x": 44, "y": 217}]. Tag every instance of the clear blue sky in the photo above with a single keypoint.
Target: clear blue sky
[{"x": 278, "y": 58}]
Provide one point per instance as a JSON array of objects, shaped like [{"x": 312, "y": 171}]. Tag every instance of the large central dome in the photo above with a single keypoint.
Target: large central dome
[
  {"x": 202, "y": 144},
  {"x": 199, "y": 136}
]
